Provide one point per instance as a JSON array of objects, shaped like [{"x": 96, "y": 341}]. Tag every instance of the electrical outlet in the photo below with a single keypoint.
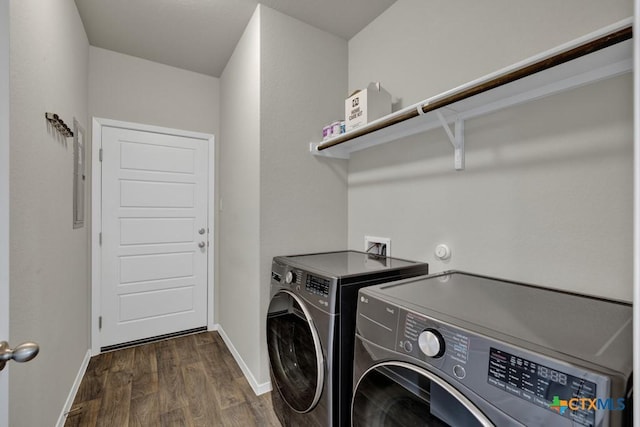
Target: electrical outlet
[{"x": 377, "y": 245}]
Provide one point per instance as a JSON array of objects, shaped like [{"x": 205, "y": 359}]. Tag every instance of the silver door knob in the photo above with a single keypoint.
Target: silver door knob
[
  {"x": 201, "y": 231},
  {"x": 202, "y": 244},
  {"x": 22, "y": 353}
]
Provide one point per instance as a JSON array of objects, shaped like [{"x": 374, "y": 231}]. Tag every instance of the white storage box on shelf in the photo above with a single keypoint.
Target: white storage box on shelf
[{"x": 366, "y": 105}]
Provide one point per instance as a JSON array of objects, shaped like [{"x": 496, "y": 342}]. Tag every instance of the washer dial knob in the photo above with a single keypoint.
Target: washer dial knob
[
  {"x": 431, "y": 343},
  {"x": 290, "y": 277}
]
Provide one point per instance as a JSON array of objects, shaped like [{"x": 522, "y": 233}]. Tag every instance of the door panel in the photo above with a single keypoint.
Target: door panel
[
  {"x": 145, "y": 268},
  {"x": 158, "y": 302},
  {"x": 154, "y": 203},
  {"x": 153, "y": 194},
  {"x": 137, "y": 231},
  {"x": 400, "y": 394},
  {"x": 295, "y": 353},
  {"x": 148, "y": 157}
]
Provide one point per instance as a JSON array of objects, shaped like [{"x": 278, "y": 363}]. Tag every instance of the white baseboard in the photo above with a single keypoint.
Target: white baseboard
[
  {"x": 258, "y": 389},
  {"x": 74, "y": 390}
]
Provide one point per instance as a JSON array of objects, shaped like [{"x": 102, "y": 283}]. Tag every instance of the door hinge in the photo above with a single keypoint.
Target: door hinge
[
  {"x": 100, "y": 322},
  {"x": 100, "y": 238},
  {"x": 100, "y": 154}
]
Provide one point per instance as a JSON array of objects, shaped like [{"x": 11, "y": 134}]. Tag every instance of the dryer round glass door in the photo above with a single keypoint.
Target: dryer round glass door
[
  {"x": 400, "y": 394},
  {"x": 295, "y": 352}
]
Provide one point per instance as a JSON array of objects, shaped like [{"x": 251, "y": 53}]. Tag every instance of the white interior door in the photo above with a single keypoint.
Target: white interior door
[{"x": 154, "y": 234}]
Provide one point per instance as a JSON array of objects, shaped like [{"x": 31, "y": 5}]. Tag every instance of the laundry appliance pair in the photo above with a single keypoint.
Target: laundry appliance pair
[{"x": 361, "y": 340}]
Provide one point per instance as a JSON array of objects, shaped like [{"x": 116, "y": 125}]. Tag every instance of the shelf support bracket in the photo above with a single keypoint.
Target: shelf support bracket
[{"x": 456, "y": 137}]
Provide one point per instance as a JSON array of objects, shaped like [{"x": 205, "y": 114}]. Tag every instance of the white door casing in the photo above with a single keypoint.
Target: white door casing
[{"x": 155, "y": 252}]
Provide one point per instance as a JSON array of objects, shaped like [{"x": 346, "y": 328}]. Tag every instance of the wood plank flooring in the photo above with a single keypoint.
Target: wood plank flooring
[{"x": 186, "y": 381}]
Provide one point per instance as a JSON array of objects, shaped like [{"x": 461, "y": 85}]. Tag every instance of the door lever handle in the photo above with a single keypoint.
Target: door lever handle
[{"x": 22, "y": 353}]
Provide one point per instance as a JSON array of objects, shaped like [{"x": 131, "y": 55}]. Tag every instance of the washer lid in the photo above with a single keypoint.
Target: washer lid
[{"x": 587, "y": 328}]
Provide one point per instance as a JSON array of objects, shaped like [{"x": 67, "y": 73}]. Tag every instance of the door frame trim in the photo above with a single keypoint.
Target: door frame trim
[
  {"x": 96, "y": 216},
  {"x": 5, "y": 200}
]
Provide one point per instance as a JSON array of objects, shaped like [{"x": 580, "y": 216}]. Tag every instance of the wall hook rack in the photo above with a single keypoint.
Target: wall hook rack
[{"x": 59, "y": 124}]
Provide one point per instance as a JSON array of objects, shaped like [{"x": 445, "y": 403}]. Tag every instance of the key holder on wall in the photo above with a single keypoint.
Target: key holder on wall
[{"x": 59, "y": 124}]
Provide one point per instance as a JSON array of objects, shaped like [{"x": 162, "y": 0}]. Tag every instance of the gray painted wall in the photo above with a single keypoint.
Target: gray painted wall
[
  {"x": 303, "y": 199},
  {"x": 546, "y": 196},
  {"x": 49, "y": 264},
  {"x": 283, "y": 83},
  {"x": 239, "y": 210},
  {"x": 123, "y": 87},
  {"x": 419, "y": 48}
]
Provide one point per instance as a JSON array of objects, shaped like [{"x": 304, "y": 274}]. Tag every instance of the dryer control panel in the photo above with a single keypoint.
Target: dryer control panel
[
  {"x": 528, "y": 385},
  {"x": 545, "y": 386},
  {"x": 484, "y": 364}
]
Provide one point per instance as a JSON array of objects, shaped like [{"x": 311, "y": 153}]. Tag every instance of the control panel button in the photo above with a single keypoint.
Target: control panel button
[
  {"x": 407, "y": 346},
  {"x": 459, "y": 372},
  {"x": 431, "y": 343}
]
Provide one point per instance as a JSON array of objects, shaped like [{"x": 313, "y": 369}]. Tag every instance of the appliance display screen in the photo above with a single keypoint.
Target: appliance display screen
[
  {"x": 317, "y": 285},
  {"x": 541, "y": 385}
]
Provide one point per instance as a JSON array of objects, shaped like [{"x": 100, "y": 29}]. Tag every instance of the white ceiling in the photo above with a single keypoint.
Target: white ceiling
[{"x": 200, "y": 35}]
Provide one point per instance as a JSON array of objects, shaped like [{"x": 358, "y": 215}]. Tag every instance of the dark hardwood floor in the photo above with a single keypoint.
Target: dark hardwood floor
[{"x": 186, "y": 381}]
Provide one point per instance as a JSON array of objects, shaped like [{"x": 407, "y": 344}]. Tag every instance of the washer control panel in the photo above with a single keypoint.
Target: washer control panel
[
  {"x": 314, "y": 288},
  {"x": 317, "y": 285}
]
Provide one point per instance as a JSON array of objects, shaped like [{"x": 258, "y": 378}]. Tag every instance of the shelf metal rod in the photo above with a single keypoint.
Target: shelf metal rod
[{"x": 586, "y": 48}]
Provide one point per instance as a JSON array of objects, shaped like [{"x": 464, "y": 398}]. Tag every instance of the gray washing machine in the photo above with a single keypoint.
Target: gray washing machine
[
  {"x": 311, "y": 327},
  {"x": 465, "y": 350}
]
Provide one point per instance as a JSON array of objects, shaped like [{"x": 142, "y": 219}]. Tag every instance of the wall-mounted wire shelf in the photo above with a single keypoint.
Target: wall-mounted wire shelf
[{"x": 597, "y": 56}]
